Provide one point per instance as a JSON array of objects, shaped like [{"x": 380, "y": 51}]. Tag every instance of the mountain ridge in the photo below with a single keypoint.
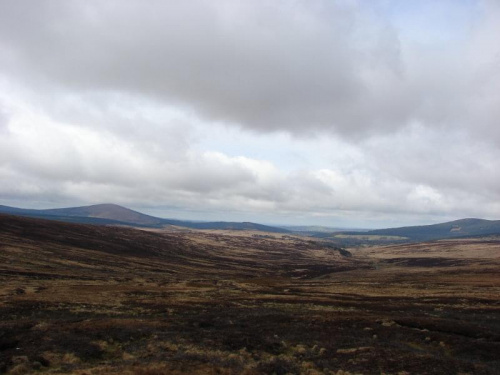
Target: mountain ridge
[
  {"x": 467, "y": 227},
  {"x": 113, "y": 214},
  {"x": 107, "y": 211}
]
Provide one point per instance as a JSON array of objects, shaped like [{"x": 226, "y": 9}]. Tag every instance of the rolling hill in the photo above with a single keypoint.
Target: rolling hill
[
  {"x": 236, "y": 226},
  {"x": 452, "y": 229},
  {"x": 94, "y": 299},
  {"x": 112, "y": 214},
  {"x": 100, "y": 214},
  {"x": 109, "y": 212}
]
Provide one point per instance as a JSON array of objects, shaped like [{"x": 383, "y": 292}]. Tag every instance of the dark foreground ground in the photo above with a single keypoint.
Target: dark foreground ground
[{"x": 78, "y": 299}]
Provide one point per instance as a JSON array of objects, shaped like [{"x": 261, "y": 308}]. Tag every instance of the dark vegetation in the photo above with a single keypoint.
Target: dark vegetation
[
  {"x": 355, "y": 239},
  {"x": 85, "y": 299},
  {"x": 112, "y": 214},
  {"x": 453, "y": 229}
]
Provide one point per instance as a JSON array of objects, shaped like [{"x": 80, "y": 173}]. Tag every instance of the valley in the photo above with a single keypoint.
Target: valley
[{"x": 85, "y": 299}]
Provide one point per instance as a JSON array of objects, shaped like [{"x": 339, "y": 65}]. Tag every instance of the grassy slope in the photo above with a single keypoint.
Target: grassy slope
[
  {"x": 453, "y": 229},
  {"x": 86, "y": 299},
  {"x": 111, "y": 214}
]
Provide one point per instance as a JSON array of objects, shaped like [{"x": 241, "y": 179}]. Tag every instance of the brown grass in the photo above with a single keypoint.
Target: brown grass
[{"x": 93, "y": 300}]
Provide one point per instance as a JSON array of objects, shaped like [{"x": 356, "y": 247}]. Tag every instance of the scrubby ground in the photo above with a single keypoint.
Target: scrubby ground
[{"x": 79, "y": 299}]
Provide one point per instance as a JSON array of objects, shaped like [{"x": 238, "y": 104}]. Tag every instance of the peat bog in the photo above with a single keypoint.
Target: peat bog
[{"x": 83, "y": 299}]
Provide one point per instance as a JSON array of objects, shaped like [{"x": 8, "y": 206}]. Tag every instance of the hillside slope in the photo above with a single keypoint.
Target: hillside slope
[
  {"x": 102, "y": 214},
  {"x": 452, "y": 229},
  {"x": 226, "y": 225},
  {"x": 112, "y": 214},
  {"x": 107, "y": 211},
  {"x": 74, "y": 249},
  {"x": 88, "y": 299}
]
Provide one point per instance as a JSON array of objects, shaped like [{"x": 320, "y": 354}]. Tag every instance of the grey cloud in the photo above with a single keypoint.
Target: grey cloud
[
  {"x": 263, "y": 65},
  {"x": 417, "y": 171},
  {"x": 4, "y": 119},
  {"x": 215, "y": 182},
  {"x": 204, "y": 176},
  {"x": 266, "y": 66},
  {"x": 448, "y": 161},
  {"x": 112, "y": 95}
]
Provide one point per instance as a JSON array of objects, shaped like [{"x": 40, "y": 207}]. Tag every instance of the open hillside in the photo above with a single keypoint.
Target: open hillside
[
  {"x": 176, "y": 253},
  {"x": 100, "y": 214},
  {"x": 224, "y": 225},
  {"x": 452, "y": 229},
  {"x": 86, "y": 299},
  {"x": 107, "y": 211},
  {"x": 112, "y": 214},
  {"x": 464, "y": 228}
]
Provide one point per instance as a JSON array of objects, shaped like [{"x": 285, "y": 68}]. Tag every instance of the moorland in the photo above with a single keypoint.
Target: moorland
[{"x": 89, "y": 299}]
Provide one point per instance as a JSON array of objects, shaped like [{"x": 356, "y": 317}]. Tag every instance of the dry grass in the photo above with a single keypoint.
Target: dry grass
[{"x": 93, "y": 300}]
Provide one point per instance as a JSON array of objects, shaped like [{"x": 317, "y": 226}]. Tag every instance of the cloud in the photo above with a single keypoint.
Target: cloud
[
  {"x": 302, "y": 67},
  {"x": 261, "y": 65},
  {"x": 48, "y": 161},
  {"x": 296, "y": 66},
  {"x": 304, "y": 109}
]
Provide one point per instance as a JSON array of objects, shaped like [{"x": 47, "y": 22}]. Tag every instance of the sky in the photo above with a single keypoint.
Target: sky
[{"x": 348, "y": 113}]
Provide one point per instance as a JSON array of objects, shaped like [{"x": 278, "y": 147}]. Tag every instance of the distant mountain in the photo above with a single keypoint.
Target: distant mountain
[
  {"x": 112, "y": 214},
  {"x": 101, "y": 214},
  {"x": 237, "y": 226},
  {"x": 318, "y": 229},
  {"x": 452, "y": 229},
  {"x": 107, "y": 211}
]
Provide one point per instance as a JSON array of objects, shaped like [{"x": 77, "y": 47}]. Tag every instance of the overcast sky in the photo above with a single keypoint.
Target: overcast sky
[{"x": 342, "y": 113}]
